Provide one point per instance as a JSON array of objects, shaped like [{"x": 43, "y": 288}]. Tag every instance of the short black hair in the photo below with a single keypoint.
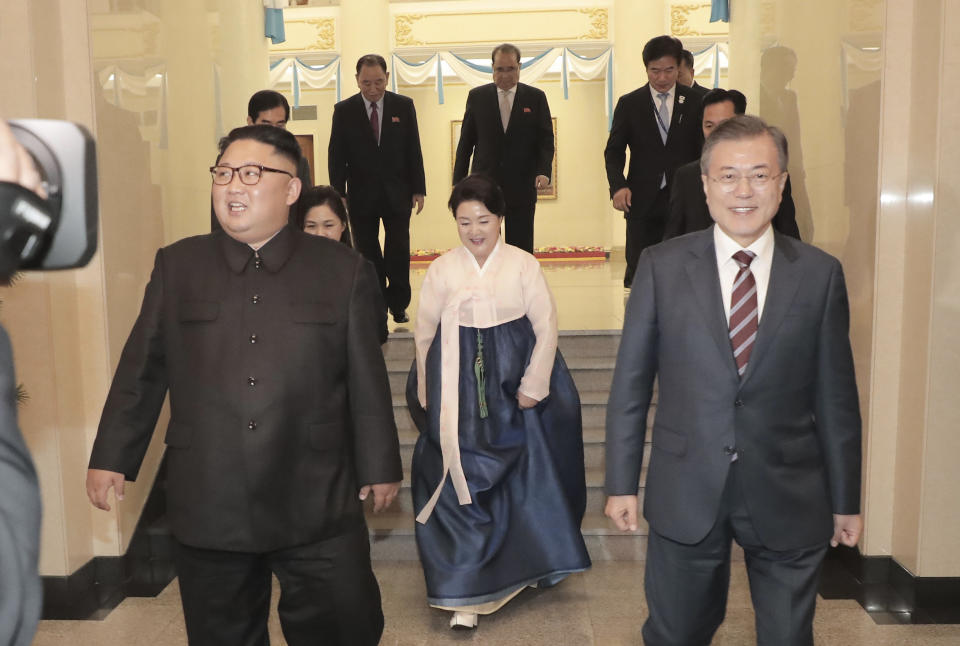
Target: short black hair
[
  {"x": 371, "y": 59},
  {"x": 281, "y": 140},
  {"x": 267, "y": 100},
  {"x": 508, "y": 48},
  {"x": 687, "y": 58},
  {"x": 662, "y": 46},
  {"x": 478, "y": 188},
  {"x": 719, "y": 95},
  {"x": 740, "y": 127},
  {"x": 324, "y": 196}
]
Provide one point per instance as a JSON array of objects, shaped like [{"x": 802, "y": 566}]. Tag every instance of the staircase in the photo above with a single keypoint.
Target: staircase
[{"x": 590, "y": 356}]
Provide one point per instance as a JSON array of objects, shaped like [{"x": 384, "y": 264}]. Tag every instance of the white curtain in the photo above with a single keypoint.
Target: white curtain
[
  {"x": 116, "y": 81},
  {"x": 313, "y": 76},
  {"x": 445, "y": 63}
]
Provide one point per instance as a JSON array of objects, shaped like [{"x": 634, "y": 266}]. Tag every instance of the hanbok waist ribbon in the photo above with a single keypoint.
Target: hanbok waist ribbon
[{"x": 450, "y": 400}]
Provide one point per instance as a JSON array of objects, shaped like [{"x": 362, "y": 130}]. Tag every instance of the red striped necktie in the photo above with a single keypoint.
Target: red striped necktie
[
  {"x": 743, "y": 311},
  {"x": 375, "y": 121}
]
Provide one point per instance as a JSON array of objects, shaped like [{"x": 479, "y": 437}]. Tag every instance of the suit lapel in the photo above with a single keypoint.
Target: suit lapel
[
  {"x": 651, "y": 119},
  {"x": 515, "y": 109},
  {"x": 785, "y": 277},
  {"x": 365, "y": 118},
  {"x": 679, "y": 105},
  {"x": 705, "y": 283},
  {"x": 388, "y": 114}
]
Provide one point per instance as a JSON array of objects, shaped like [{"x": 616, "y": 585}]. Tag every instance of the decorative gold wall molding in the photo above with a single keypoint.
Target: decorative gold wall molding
[
  {"x": 598, "y": 23},
  {"x": 308, "y": 34},
  {"x": 693, "y": 19},
  {"x": 129, "y": 36},
  {"x": 518, "y": 25},
  {"x": 403, "y": 29}
]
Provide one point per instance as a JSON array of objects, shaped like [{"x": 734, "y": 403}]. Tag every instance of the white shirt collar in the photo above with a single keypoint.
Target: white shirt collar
[
  {"x": 367, "y": 103},
  {"x": 727, "y": 246},
  {"x": 670, "y": 93}
]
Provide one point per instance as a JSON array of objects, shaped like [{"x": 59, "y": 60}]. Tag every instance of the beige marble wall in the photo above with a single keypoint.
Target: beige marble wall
[
  {"x": 867, "y": 93},
  {"x": 153, "y": 148}
]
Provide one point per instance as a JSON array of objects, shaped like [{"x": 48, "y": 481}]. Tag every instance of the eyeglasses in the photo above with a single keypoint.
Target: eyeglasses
[
  {"x": 249, "y": 175},
  {"x": 757, "y": 179}
]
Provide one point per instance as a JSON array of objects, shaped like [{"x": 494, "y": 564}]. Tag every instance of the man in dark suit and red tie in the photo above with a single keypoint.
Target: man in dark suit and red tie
[
  {"x": 508, "y": 132},
  {"x": 757, "y": 430},
  {"x": 660, "y": 124},
  {"x": 688, "y": 204},
  {"x": 374, "y": 159},
  {"x": 281, "y": 421}
]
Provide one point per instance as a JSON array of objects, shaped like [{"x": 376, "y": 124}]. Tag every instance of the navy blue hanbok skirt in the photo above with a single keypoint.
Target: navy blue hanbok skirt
[{"x": 524, "y": 469}]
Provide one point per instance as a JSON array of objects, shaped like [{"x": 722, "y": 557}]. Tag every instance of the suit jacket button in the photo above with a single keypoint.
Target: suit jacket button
[
  {"x": 253, "y": 338},
  {"x": 252, "y": 381},
  {"x": 738, "y": 403},
  {"x": 729, "y": 450},
  {"x": 255, "y": 299},
  {"x": 252, "y": 425}
]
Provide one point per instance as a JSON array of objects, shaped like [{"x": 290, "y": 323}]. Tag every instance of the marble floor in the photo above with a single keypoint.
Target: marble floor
[{"x": 601, "y": 607}]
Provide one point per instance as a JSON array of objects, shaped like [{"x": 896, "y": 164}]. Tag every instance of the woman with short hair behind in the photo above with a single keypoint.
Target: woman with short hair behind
[
  {"x": 321, "y": 212},
  {"x": 497, "y": 477}
]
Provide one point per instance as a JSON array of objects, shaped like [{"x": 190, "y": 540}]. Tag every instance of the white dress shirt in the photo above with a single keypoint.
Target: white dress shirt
[
  {"x": 728, "y": 267},
  {"x": 671, "y": 95}
]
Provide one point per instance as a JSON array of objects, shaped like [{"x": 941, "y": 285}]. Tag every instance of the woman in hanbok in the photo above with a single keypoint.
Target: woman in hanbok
[{"x": 497, "y": 477}]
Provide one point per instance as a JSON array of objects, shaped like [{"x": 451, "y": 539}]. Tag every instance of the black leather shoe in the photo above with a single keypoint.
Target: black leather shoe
[{"x": 401, "y": 317}]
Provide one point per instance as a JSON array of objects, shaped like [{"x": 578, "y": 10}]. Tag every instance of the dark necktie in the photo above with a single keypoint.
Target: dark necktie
[
  {"x": 743, "y": 311},
  {"x": 375, "y": 122}
]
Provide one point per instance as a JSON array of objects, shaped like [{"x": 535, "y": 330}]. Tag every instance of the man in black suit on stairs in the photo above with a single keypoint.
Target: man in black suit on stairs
[
  {"x": 508, "y": 131},
  {"x": 660, "y": 124},
  {"x": 374, "y": 159},
  {"x": 688, "y": 204}
]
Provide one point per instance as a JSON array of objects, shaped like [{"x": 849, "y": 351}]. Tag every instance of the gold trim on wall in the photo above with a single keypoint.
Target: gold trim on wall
[
  {"x": 326, "y": 35},
  {"x": 403, "y": 28},
  {"x": 680, "y": 16},
  {"x": 597, "y": 27}
]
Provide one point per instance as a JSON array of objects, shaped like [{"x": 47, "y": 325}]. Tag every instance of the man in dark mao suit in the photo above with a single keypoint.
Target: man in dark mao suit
[
  {"x": 688, "y": 204},
  {"x": 281, "y": 419},
  {"x": 660, "y": 124},
  {"x": 757, "y": 432},
  {"x": 374, "y": 159},
  {"x": 508, "y": 132}
]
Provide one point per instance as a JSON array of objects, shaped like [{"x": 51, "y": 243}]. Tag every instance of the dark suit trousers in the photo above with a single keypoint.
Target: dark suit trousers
[
  {"x": 518, "y": 222},
  {"x": 393, "y": 263},
  {"x": 329, "y": 595},
  {"x": 645, "y": 231},
  {"x": 686, "y": 585}
]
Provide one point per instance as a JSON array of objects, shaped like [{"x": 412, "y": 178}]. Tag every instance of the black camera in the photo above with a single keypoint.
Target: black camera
[{"x": 59, "y": 232}]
